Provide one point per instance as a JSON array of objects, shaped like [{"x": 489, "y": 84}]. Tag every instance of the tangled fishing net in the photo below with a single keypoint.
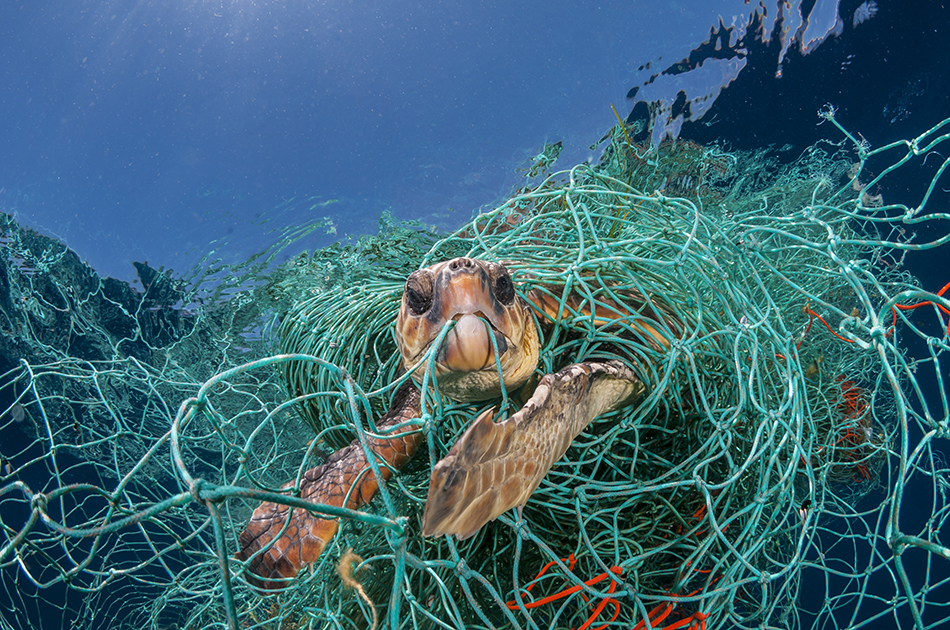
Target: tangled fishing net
[{"x": 762, "y": 482}]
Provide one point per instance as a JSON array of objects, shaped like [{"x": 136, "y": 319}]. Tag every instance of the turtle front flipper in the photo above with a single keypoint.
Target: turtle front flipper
[
  {"x": 497, "y": 466},
  {"x": 344, "y": 480}
]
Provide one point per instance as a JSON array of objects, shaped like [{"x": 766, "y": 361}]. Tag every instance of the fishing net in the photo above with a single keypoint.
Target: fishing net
[{"x": 783, "y": 469}]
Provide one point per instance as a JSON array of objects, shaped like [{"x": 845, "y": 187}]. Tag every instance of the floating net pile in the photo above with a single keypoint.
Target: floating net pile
[{"x": 763, "y": 481}]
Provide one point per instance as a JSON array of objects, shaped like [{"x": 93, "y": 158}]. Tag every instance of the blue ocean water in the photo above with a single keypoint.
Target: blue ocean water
[
  {"x": 144, "y": 131},
  {"x": 156, "y": 132}
]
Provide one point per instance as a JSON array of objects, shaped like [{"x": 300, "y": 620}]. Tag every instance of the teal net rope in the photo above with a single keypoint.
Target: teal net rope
[{"x": 762, "y": 482}]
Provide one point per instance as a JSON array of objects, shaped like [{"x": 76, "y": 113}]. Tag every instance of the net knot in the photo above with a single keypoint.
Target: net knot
[
  {"x": 677, "y": 345},
  {"x": 521, "y": 527},
  {"x": 581, "y": 493},
  {"x": 38, "y": 502},
  {"x": 195, "y": 488},
  {"x": 878, "y": 333},
  {"x": 396, "y": 536}
]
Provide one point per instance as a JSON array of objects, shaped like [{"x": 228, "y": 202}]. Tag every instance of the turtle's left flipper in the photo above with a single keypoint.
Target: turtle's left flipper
[
  {"x": 275, "y": 553},
  {"x": 497, "y": 466}
]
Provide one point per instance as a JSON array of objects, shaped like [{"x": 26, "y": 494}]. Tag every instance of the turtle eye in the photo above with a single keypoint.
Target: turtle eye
[
  {"x": 504, "y": 289},
  {"x": 419, "y": 292}
]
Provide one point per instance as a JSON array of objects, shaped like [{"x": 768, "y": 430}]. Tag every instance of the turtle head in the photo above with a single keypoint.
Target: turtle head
[{"x": 480, "y": 297}]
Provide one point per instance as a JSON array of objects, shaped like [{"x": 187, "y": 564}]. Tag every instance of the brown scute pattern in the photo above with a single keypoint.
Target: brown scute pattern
[
  {"x": 635, "y": 310},
  {"x": 346, "y": 470},
  {"x": 497, "y": 466}
]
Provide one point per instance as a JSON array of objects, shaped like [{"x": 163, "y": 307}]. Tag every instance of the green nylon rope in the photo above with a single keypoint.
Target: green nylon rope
[{"x": 772, "y": 458}]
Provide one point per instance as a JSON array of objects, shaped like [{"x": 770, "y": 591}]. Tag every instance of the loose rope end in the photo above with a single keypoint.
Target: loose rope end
[{"x": 345, "y": 568}]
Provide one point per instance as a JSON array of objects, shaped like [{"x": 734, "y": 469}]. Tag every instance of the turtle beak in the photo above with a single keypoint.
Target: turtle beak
[
  {"x": 492, "y": 344},
  {"x": 468, "y": 346},
  {"x": 466, "y": 291},
  {"x": 463, "y": 293}
]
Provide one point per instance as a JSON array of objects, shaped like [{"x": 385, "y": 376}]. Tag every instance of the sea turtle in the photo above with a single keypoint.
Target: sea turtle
[{"x": 495, "y": 466}]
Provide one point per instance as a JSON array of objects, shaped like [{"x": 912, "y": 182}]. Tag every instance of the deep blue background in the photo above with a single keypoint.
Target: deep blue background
[{"x": 145, "y": 130}]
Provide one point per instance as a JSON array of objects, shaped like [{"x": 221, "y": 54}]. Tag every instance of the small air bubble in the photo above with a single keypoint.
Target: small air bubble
[{"x": 18, "y": 413}]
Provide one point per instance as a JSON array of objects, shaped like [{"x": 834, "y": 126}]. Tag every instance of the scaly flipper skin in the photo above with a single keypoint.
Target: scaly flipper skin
[
  {"x": 480, "y": 297},
  {"x": 497, "y": 466},
  {"x": 345, "y": 471},
  {"x": 494, "y": 466}
]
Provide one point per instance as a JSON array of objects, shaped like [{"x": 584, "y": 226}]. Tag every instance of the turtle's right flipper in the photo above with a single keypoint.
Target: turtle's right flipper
[
  {"x": 344, "y": 480},
  {"x": 497, "y": 466}
]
